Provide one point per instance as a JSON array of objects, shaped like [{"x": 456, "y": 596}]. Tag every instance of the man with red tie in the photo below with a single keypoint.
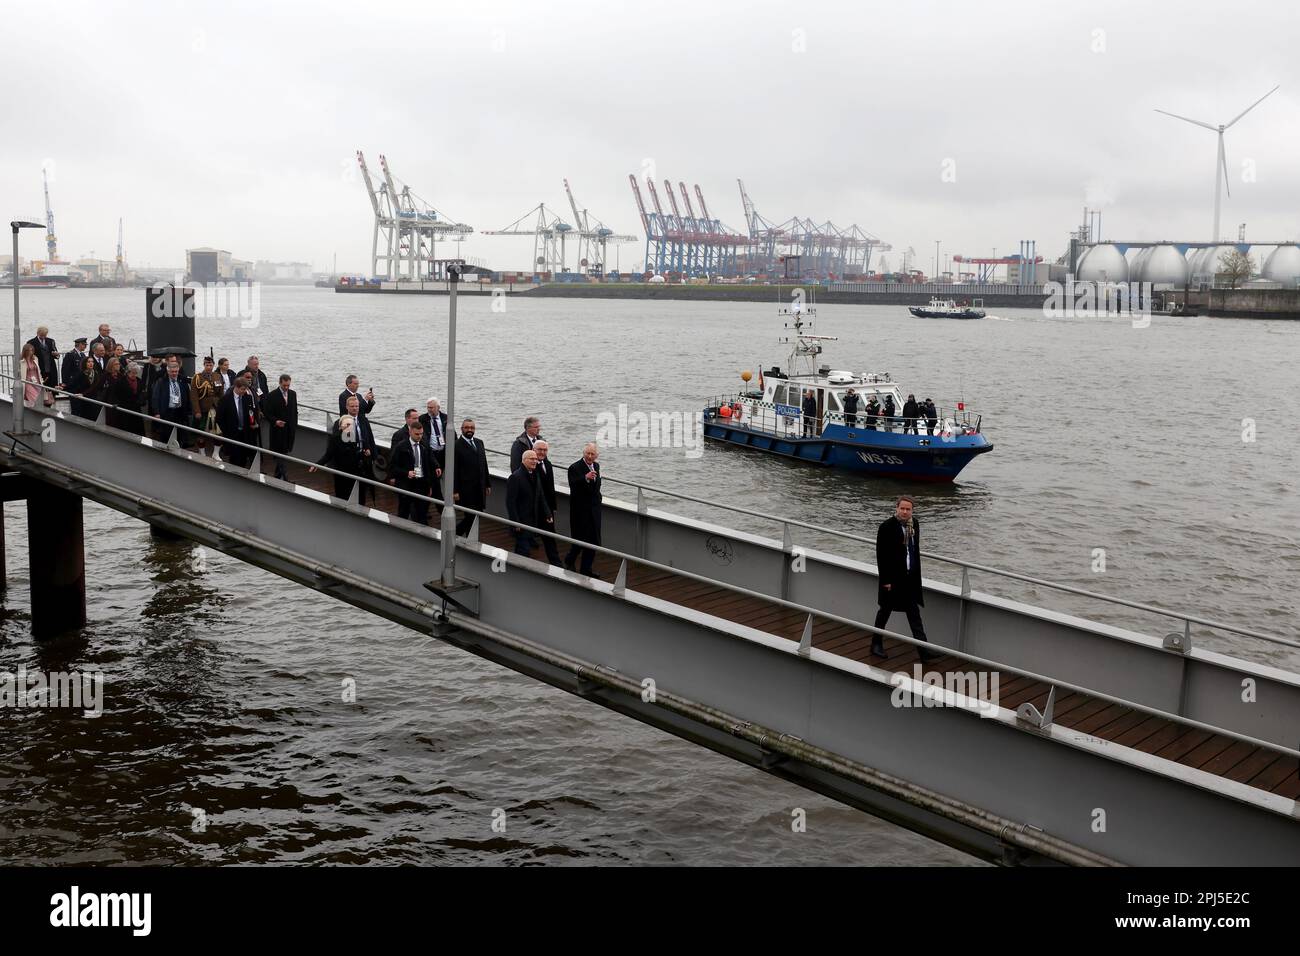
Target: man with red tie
[{"x": 584, "y": 508}]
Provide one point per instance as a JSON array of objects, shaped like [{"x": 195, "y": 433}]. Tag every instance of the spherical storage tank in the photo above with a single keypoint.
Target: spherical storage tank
[
  {"x": 1164, "y": 265},
  {"x": 1283, "y": 265},
  {"x": 1208, "y": 261},
  {"x": 1103, "y": 264},
  {"x": 1137, "y": 261}
]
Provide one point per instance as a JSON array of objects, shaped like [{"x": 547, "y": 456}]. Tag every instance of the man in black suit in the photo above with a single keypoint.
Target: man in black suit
[
  {"x": 101, "y": 359},
  {"x": 525, "y": 442},
  {"x": 527, "y": 508},
  {"x": 258, "y": 386},
  {"x": 73, "y": 361},
  {"x": 47, "y": 356},
  {"x": 546, "y": 475},
  {"x": 237, "y": 419},
  {"x": 584, "y": 508},
  {"x": 473, "y": 482},
  {"x": 104, "y": 339},
  {"x": 366, "y": 402},
  {"x": 411, "y": 467},
  {"x": 409, "y": 417},
  {"x": 281, "y": 410},
  {"x": 170, "y": 402},
  {"x": 898, "y": 560},
  {"x": 365, "y": 438}
]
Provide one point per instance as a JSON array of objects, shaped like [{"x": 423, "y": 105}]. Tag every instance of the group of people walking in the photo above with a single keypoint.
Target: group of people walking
[
  {"x": 230, "y": 408},
  {"x": 417, "y": 460},
  {"x": 146, "y": 396},
  {"x": 531, "y": 502}
]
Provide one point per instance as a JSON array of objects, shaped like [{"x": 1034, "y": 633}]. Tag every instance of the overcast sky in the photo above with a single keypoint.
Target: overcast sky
[{"x": 236, "y": 124}]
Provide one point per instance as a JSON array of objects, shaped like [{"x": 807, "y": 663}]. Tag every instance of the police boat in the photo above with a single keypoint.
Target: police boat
[
  {"x": 947, "y": 309},
  {"x": 800, "y": 414}
]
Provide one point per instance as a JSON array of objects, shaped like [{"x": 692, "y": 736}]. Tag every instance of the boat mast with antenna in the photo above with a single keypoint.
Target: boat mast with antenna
[{"x": 804, "y": 344}]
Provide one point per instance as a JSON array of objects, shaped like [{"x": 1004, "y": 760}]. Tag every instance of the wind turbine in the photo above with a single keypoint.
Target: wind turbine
[{"x": 1221, "y": 166}]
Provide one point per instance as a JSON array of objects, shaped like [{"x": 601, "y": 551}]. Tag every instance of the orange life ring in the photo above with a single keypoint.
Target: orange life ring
[{"x": 736, "y": 411}]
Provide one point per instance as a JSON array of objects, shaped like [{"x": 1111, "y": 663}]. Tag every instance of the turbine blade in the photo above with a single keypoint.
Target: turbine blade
[
  {"x": 1251, "y": 106},
  {"x": 1186, "y": 119},
  {"x": 1223, "y": 161}
]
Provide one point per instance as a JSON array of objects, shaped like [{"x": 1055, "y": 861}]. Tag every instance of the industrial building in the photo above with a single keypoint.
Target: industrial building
[
  {"x": 1179, "y": 264},
  {"x": 208, "y": 265}
]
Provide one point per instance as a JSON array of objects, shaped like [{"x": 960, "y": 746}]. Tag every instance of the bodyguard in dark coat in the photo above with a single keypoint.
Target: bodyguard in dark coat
[
  {"x": 352, "y": 383},
  {"x": 404, "y": 432},
  {"x": 527, "y": 508},
  {"x": 888, "y": 409},
  {"x": 898, "y": 558},
  {"x": 281, "y": 411},
  {"x": 412, "y": 466},
  {"x": 473, "y": 482},
  {"x": 584, "y": 508},
  {"x": 531, "y": 436}
]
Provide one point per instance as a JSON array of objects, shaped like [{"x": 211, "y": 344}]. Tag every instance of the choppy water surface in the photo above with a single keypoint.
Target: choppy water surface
[{"x": 223, "y": 682}]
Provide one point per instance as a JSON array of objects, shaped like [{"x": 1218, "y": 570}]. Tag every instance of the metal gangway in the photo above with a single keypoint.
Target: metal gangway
[{"x": 1037, "y": 737}]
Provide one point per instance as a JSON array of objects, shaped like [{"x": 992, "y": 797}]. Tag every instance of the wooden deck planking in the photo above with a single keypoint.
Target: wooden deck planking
[{"x": 1234, "y": 760}]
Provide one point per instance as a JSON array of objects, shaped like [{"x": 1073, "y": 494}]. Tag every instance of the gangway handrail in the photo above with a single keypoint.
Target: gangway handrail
[
  {"x": 680, "y": 572},
  {"x": 966, "y": 566}
]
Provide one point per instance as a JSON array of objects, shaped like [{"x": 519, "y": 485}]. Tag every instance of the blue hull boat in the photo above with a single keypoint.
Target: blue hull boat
[{"x": 852, "y": 421}]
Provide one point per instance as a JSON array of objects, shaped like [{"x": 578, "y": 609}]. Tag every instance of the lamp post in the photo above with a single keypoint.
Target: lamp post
[
  {"x": 449, "y": 466},
  {"x": 18, "y": 329},
  {"x": 936, "y": 259}
]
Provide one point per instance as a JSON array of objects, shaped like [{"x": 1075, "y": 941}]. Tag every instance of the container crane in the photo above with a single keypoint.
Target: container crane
[
  {"x": 593, "y": 236},
  {"x": 51, "y": 244},
  {"x": 549, "y": 234},
  {"x": 410, "y": 227},
  {"x": 119, "y": 268}
]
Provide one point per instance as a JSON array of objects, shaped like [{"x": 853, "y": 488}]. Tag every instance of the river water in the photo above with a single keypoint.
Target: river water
[{"x": 225, "y": 738}]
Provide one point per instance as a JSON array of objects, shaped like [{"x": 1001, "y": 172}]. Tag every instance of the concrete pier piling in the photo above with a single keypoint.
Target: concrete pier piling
[{"x": 57, "y": 560}]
